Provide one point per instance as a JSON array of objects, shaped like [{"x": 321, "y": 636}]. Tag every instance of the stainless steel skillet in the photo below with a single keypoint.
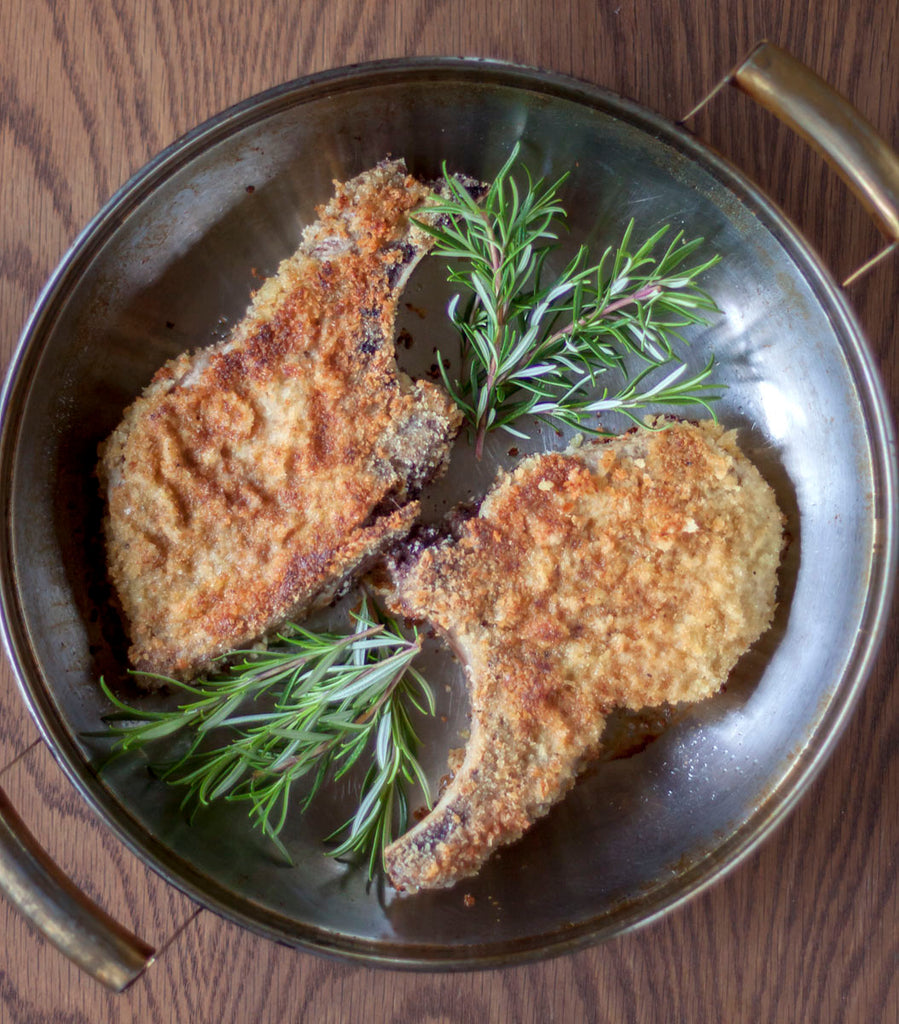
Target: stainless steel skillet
[{"x": 171, "y": 260}]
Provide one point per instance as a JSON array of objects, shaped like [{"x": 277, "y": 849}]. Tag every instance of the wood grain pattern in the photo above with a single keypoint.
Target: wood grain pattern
[
  {"x": 73, "y": 835},
  {"x": 805, "y": 929}
]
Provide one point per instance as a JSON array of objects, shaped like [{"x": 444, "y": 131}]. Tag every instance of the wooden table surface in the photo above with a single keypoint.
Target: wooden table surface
[{"x": 806, "y": 928}]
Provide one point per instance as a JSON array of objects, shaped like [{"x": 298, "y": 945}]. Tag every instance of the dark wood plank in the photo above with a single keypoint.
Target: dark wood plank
[{"x": 806, "y": 928}]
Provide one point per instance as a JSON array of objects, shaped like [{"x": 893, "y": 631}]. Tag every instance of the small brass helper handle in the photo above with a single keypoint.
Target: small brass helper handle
[
  {"x": 832, "y": 126},
  {"x": 62, "y": 913}
]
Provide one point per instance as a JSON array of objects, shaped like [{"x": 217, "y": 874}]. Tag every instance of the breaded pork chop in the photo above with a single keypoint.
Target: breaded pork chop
[
  {"x": 624, "y": 573},
  {"x": 252, "y": 477}
]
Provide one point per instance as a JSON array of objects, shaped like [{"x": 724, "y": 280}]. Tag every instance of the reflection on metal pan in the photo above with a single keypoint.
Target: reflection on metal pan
[{"x": 175, "y": 252}]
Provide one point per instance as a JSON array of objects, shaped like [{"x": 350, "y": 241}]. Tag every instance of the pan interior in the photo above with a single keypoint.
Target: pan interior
[{"x": 170, "y": 265}]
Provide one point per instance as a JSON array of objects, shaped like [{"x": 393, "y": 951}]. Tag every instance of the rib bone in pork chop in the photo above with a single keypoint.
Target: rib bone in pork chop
[
  {"x": 625, "y": 573},
  {"x": 252, "y": 477}
]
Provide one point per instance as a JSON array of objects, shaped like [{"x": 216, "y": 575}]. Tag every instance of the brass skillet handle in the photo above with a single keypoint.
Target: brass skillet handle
[
  {"x": 832, "y": 126},
  {"x": 61, "y": 912}
]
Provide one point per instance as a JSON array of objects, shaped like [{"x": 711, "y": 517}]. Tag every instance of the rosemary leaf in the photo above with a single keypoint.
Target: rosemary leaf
[
  {"x": 332, "y": 701},
  {"x": 534, "y": 346}
]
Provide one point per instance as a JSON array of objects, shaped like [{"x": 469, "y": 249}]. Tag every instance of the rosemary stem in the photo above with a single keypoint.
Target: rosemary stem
[
  {"x": 535, "y": 345},
  {"x": 640, "y": 295},
  {"x": 497, "y": 257},
  {"x": 370, "y": 712},
  {"x": 332, "y": 700}
]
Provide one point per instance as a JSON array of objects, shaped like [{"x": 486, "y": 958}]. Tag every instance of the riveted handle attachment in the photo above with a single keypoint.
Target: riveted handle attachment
[
  {"x": 62, "y": 913},
  {"x": 831, "y": 125}
]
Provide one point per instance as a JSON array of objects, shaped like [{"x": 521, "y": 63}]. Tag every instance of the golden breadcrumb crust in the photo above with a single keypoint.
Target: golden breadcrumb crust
[
  {"x": 251, "y": 477},
  {"x": 623, "y": 573}
]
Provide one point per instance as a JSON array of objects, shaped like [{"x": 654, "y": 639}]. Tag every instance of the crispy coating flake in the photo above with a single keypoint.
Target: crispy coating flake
[
  {"x": 252, "y": 477},
  {"x": 624, "y": 573}
]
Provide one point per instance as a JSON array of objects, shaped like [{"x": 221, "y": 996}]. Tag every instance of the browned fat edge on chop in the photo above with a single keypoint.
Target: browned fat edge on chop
[
  {"x": 253, "y": 477},
  {"x": 625, "y": 573}
]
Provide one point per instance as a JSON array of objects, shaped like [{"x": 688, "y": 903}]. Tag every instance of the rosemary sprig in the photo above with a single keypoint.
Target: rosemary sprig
[
  {"x": 531, "y": 343},
  {"x": 333, "y": 702}
]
